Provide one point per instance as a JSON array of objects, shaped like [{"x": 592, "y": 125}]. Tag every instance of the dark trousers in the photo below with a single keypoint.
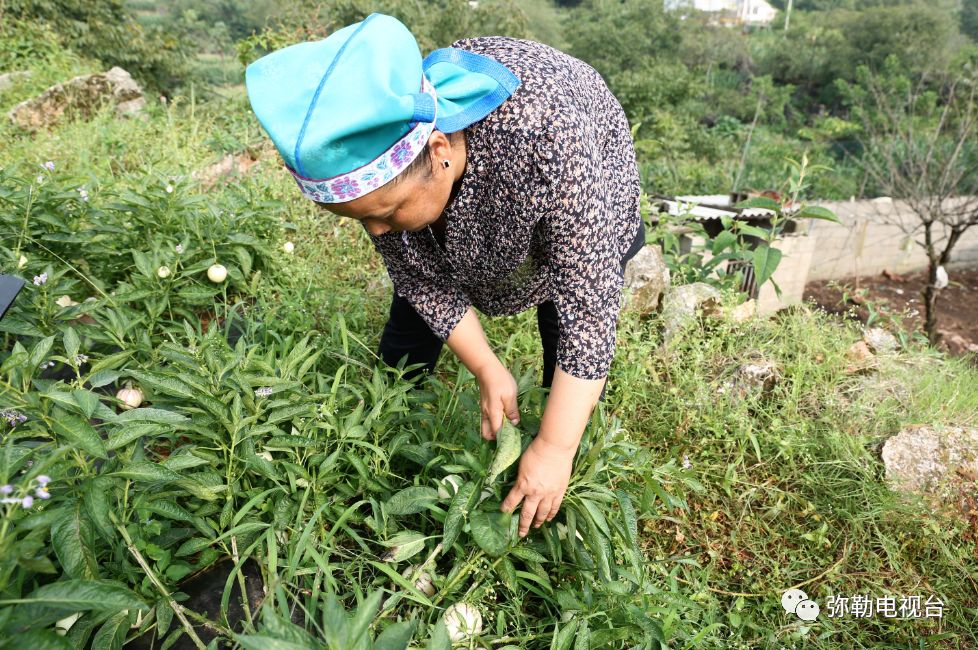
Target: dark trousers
[{"x": 407, "y": 335}]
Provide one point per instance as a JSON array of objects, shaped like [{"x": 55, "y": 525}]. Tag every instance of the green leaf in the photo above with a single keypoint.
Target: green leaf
[
  {"x": 80, "y": 433},
  {"x": 112, "y": 633},
  {"x": 364, "y": 617},
  {"x": 395, "y": 637},
  {"x": 723, "y": 240},
  {"x": 87, "y": 401},
  {"x": 169, "y": 510},
  {"x": 144, "y": 470},
  {"x": 455, "y": 519},
  {"x": 143, "y": 263},
  {"x": 816, "y": 212},
  {"x": 565, "y": 636},
  {"x": 759, "y": 202},
  {"x": 164, "y": 617},
  {"x": 71, "y": 538},
  {"x": 103, "y": 378},
  {"x": 766, "y": 260},
  {"x": 507, "y": 572},
  {"x": 753, "y": 231},
  {"x": 152, "y": 415},
  {"x": 98, "y": 504},
  {"x": 165, "y": 385},
  {"x": 528, "y": 554},
  {"x": 192, "y": 546},
  {"x": 411, "y": 501},
  {"x": 86, "y": 595},
  {"x": 508, "y": 449},
  {"x": 403, "y": 545},
  {"x": 40, "y": 351},
  {"x": 491, "y": 531},
  {"x": 261, "y": 642},
  {"x": 125, "y": 434},
  {"x": 38, "y": 640},
  {"x": 440, "y": 640},
  {"x": 71, "y": 343}
]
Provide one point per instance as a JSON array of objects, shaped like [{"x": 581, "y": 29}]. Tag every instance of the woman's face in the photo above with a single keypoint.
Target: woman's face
[{"x": 411, "y": 203}]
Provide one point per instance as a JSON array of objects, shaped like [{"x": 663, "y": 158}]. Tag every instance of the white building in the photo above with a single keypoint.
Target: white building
[{"x": 729, "y": 12}]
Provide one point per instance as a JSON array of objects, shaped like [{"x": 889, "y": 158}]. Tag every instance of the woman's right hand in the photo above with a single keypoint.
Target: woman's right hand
[{"x": 498, "y": 392}]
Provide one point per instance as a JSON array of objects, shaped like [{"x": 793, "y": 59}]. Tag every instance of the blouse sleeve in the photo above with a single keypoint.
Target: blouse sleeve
[
  {"x": 582, "y": 245},
  {"x": 441, "y": 305}
]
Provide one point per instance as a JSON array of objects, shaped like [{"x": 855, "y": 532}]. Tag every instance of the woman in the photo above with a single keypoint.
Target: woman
[{"x": 497, "y": 173}]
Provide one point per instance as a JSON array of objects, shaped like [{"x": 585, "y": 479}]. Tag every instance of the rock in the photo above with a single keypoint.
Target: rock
[
  {"x": 680, "y": 304},
  {"x": 742, "y": 312},
  {"x": 928, "y": 461},
  {"x": 955, "y": 343},
  {"x": 226, "y": 168},
  {"x": 8, "y": 79},
  {"x": 79, "y": 97},
  {"x": 859, "y": 352},
  {"x": 751, "y": 379},
  {"x": 879, "y": 340},
  {"x": 647, "y": 279}
]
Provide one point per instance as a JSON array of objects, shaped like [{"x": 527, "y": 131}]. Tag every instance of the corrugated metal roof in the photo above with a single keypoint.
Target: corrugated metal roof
[{"x": 708, "y": 206}]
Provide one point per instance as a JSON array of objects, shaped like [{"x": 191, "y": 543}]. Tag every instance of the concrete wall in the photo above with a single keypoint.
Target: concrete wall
[{"x": 873, "y": 236}]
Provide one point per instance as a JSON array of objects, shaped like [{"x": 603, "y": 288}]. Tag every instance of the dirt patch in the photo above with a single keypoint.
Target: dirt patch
[{"x": 889, "y": 294}]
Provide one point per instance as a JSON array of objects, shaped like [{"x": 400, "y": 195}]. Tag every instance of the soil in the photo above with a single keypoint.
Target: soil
[{"x": 901, "y": 296}]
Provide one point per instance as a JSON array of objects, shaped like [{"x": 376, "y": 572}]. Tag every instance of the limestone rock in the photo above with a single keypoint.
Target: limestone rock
[
  {"x": 742, "y": 312},
  {"x": 79, "y": 97},
  {"x": 8, "y": 79},
  {"x": 955, "y": 343},
  {"x": 859, "y": 352},
  {"x": 751, "y": 379},
  {"x": 228, "y": 167},
  {"x": 879, "y": 340},
  {"x": 647, "y": 279},
  {"x": 928, "y": 461},
  {"x": 680, "y": 305}
]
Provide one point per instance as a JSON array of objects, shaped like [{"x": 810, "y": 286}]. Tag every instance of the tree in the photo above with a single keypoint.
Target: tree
[
  {"x": 968, "y": 18},
  {"x": 919, "y": 141}
]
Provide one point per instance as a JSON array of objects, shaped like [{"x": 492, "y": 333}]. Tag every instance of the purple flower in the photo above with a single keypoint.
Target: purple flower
[
  {"x": 49, "y": 166},
  {"x": 686, "y": 463},
  {"x": 40, "y": 279},
  {"x": 13, "y": 418},
  {"x": 345, "y": 189},
  {"x": 28, "y": 501},
  {"x": 264, "y": 391},
  {"x": 6, "y": 489},
  {"x": 401, "y": 154},
  {"x": 43, "y": 479},
  {"x": 42, "y": 493}
]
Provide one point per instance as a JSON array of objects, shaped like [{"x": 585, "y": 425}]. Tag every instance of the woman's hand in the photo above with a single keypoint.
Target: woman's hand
[
  {"x": 498, "y": 391},
  {"x": 541, "y": 483}
]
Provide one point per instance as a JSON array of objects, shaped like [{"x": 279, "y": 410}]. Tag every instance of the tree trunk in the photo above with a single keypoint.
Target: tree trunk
[
  {"x": 930, "y": 291},
  {"x": 930, "y": 304}
]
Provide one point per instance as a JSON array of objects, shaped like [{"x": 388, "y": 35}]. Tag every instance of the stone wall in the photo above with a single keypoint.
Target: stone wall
[{"x": 868, "y": 241}]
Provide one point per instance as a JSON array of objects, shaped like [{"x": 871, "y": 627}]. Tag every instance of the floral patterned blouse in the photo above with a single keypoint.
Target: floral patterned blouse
[{"x": 546, "y": 209}]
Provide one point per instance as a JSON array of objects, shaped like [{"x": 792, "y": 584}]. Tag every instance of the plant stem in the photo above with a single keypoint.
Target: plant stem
[{"x": 174, "y": 605}]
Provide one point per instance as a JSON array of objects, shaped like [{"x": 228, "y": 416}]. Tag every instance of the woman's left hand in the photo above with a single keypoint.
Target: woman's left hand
[{"x": 544, "y": 473}]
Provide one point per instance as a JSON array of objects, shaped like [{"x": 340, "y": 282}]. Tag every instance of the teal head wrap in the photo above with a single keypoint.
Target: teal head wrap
[{"x": 350, "y": 112}]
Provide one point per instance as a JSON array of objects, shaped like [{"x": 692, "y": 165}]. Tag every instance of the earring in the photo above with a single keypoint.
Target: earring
[{"x": 446, "y": 164}]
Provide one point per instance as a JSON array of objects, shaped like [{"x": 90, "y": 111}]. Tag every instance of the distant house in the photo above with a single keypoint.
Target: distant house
[{"x": 728, "y": 12}]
